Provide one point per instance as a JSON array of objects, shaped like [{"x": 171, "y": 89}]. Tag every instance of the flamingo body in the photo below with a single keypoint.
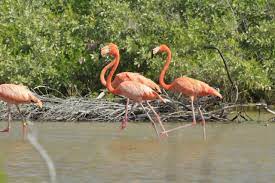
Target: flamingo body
[
  {"x": 128, "y": 76},
  {"x": 132, "y": 76},
  {"x": 192, "y": 87},
  {"x": 17, "y": 94},
  {"x": 136, "y": 91}
]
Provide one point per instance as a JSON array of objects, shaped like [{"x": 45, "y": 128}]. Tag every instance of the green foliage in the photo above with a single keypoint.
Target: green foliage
[{"x": 44, "y": 42}]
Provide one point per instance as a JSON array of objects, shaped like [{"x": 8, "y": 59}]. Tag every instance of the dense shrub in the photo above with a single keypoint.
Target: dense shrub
[{"x": 44, "y": 42}]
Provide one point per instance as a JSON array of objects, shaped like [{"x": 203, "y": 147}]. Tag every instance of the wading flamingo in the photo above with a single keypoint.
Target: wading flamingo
[
  {"x": 17, "y": 94},
  {"x": 128, "y": 76},
  {"x": 185, "y": 85},
  {"x": 133, "y": 90}
]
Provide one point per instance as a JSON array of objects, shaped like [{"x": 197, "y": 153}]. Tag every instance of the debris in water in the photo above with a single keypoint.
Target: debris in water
[{"x": 33, "y": 140}]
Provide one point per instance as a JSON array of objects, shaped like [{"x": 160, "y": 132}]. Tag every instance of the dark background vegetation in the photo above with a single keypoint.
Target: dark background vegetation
[{"x": 43, "y": 42}]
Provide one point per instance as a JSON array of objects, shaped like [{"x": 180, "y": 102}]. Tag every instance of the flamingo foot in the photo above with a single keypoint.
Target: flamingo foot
[
  {"x": 24, "y": 128},
  {"x": 179, "y": 127},
  {"x": 163, "y": 134},
  {"x": 123, "y": 123},
  {"x": 6, "y": 130}
]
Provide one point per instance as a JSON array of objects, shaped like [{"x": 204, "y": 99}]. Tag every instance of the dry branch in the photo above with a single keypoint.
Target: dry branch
[
  {"x": 102, "y": 110},
  {"x": 87, "y": 109}
]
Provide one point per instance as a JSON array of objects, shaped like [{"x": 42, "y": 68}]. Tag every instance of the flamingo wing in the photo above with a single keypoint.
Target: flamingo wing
[
  {"x": 192, "y": 87},
  {"x": 146, "y": 81},
  {"x": 14, "y": 93},
  {"x": 17, "y": 94},
  {"x": 136, "y": 91},
  {"x": 185, "y": 85}
]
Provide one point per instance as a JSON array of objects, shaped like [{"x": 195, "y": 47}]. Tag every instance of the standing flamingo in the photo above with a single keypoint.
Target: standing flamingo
[
  {"x": 133, "y": 90},
  {"x": 185, "y": 85},
  {"x": 128, "y": 76},
  {"x": 17, "y": 94}
]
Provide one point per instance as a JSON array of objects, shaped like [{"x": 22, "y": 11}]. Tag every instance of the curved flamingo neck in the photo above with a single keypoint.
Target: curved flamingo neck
[
  {"x": 114, "y": 65},
  {"x": 103, "y": 72},
  {"x": 165, "y": 68}
]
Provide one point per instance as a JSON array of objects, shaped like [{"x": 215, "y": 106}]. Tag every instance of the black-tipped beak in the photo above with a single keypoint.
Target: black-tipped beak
[
  {"x": 99, "y": 54},
  {"x": 152, "y": 54}
]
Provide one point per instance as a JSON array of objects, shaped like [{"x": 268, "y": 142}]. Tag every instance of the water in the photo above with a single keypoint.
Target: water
[
  {"x": 100, "y": 152},
  {"x": 32, "y": 138}
]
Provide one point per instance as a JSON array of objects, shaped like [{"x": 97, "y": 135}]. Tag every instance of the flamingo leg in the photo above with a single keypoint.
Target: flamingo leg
[
  {"x": 158, "y": 118},
  {"x": 187, "y": 125},
  {"x": 153, "y": 123},
  {"x": 125, "y": 120},
  {"x": 133, "y": 106},
  {"x": 7, "y": 129},
  {"x": 24, "y": 123},
  {"x": 193, "y": 111},
  {"x": 203, "y": 124}
]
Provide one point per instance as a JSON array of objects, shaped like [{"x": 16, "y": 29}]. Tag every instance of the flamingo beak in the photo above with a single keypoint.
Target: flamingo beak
[
  {"x": 104, "y": 51},
  {"x": 155, "y": 50},
  {"x": 99, "y": 55},
  {"x": 39, "y": 104},
  {"x": 152, "y": 54}
]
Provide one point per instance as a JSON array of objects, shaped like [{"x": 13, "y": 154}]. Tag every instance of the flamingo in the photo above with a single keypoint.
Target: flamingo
[
  {"x": 17, "y": 94},
  {"x": 133, "y": 90},
  {"x": 127, "y": 76},
  {"x": 185, "y": 85}
]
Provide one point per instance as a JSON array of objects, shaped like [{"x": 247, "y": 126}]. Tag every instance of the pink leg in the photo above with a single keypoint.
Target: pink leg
[
  {"x": 153, "y": 123},
  {"x": 7, "y": 129},
  {"x": 24, "y": 129},
  {"x": 203, "y": 124},
  {"x": 125, "y": 120},
  {"x": 193, "y": 111},
  {"x": 187, "y": 125},
  {"x": 158, "y": 118},
  {"x": 24, "y": 122}
]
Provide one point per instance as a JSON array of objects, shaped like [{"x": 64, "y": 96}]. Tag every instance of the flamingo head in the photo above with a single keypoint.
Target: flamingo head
[
  {"x": 110, "y": 49},
  {"x": 36, "y": 101},
  {"x": 160, "y": 48},
  {"x": 39, "y": 104}
]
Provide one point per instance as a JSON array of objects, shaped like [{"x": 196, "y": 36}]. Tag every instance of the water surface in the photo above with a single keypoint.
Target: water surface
[{"x": 100, "y": 152}]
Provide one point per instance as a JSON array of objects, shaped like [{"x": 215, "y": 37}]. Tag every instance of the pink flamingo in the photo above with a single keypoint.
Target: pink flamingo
[
  {"x": 133, "y": 90},
  {"x": 17, "y": 94},
  {"x": 127, "y": 76},
  {"x": 185, "y": 85}
]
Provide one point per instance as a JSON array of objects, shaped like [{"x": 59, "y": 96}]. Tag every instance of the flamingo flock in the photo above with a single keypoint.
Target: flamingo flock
[{"x": 133, "y": 86}]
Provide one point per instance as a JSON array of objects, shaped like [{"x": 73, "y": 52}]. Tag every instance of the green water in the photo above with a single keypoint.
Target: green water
[
  {"x": 2, "y": 174},
  {"x": 2, "y": 177},
  {"x": 100, "y": 152}
]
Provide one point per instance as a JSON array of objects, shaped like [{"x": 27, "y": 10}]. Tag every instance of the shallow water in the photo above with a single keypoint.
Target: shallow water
[{"x": 100, "y": 152}]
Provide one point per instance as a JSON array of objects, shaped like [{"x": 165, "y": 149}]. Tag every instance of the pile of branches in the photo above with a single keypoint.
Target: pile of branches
[{"x": 104, "y": 110}]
